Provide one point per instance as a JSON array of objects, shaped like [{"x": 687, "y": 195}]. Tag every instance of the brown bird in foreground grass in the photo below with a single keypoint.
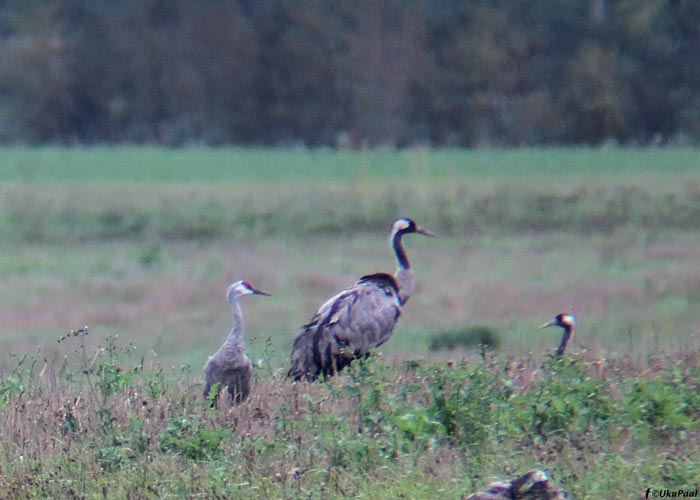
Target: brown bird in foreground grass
[{"x": 534, "y": 485}]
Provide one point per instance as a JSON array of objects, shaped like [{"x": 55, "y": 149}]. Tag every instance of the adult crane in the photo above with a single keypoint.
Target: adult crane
[{"x": 357, "y": 320}]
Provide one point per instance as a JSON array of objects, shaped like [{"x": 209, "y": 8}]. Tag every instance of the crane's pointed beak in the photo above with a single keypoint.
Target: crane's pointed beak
[
  {"x": 424, "y": 232},
  {"x": 260, "y": 292},
  {"x": 551, "y": 322}
]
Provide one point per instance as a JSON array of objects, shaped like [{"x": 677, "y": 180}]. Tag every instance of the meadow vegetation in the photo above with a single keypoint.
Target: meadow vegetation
[
  {"x": 113, "y": 423},
  {"x": 141, "y": 243}
]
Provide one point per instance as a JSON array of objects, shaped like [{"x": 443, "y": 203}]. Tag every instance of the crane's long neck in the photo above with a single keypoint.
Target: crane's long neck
[
  {"x": 404, "y": 273},
  {"x": 235, "y": 337},
  {"x": 568, "y": 333}
]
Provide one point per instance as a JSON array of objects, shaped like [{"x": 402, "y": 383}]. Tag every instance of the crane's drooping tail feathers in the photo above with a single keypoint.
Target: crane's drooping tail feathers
[
  {"x": 357, "y": 320},
  {"x": 303, "y": 363}
]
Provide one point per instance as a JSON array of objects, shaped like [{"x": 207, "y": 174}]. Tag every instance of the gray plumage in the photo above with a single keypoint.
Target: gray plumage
[
  {"x": 534, "y": 485},
  {"x": 357, "y": 320},
  {"x": 229, "y": 366}
]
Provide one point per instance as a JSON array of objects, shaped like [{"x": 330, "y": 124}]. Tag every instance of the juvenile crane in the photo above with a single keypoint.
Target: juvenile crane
[
  {"x": 358, "y": 319},
  {"x": 567, "y": 322},
  {"x": 229, "y": 366}
]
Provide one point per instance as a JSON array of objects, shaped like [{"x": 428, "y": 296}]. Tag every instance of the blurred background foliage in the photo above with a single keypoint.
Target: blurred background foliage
[{"x": 350, "y": 74}]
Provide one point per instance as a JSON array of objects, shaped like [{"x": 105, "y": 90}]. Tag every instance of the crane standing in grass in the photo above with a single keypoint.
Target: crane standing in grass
[
  {"x": 568, "y": 323},
  {"x": 229, "y": 366},
  {"x": 357, "y": 320}
]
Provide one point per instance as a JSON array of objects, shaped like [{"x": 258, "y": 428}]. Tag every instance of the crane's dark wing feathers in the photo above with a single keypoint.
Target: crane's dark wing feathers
[{"x": 381, "y": 280}]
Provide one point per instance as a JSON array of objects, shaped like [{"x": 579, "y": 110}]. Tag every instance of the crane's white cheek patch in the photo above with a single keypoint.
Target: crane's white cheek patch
[{"x": 400, "y": 224}]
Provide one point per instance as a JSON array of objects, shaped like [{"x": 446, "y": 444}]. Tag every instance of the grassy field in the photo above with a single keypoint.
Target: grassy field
[
  {"x": 146, "y": 165},
  {"x": 141, "y": 243}
]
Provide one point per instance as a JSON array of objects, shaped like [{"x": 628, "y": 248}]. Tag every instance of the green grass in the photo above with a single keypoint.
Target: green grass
[
  {"x": 71, "y": 256},
  {"x": 33, "y": 214},
  {"x": 142, "y": 243},
  {"x": 53, "y": 194},
  {"x": 150, "y": 165},
  {"x": 112, "y": 423},
  {"x": 169, "y": 296}
]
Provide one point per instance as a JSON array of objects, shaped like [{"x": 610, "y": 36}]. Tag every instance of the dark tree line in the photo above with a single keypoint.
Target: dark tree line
[{"x": 361, "y": 72}]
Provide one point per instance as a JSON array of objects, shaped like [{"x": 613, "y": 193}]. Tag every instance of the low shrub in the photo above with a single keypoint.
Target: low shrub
[{"x": 471, "y": 337}]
